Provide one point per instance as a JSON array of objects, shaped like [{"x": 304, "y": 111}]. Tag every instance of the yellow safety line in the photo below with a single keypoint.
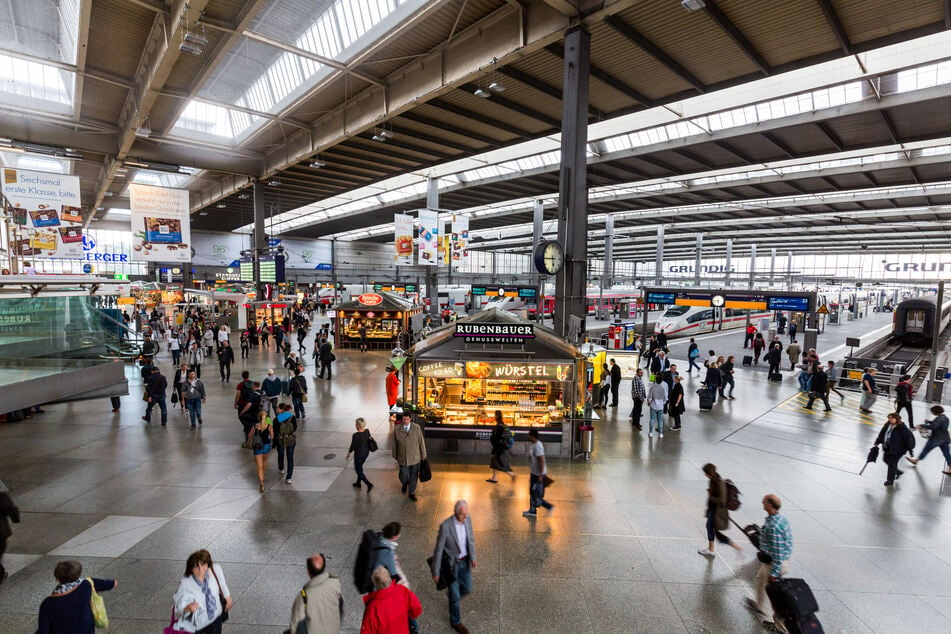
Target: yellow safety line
[{"x": 797, "y": 403}]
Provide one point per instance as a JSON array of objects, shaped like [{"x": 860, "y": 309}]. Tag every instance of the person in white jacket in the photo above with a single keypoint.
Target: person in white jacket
[{"x": 202, "y": 597}]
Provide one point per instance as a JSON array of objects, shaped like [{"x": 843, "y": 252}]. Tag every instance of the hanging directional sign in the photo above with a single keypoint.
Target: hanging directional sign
[{"x": 397, "y": 362}]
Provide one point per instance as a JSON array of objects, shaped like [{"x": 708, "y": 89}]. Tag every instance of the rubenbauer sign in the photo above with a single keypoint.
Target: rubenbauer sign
[{"x": 475, "y": 332}]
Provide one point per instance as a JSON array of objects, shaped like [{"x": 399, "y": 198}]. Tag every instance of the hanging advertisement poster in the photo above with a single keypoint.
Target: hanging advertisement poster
[
  {"x": 444, "y": 245},
  {"x": 428, "y": 237},
  {"x": 460, "y": 241},
  {"x": 403, "y": 239},
  {"x": 46, "y": 217},
  {"x": 161, "y": 229}
]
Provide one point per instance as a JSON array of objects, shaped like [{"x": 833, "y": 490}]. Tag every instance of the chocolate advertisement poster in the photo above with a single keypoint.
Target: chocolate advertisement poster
[
  {"x": 46, "y": 216},
  {"x": 161, "y": 231}
]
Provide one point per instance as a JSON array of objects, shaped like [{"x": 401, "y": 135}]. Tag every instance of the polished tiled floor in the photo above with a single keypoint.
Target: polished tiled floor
[{"x": 618, "y": 554}]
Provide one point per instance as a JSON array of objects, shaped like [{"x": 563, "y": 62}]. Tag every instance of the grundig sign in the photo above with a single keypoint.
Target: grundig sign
[{"x": 494, "y": 333}]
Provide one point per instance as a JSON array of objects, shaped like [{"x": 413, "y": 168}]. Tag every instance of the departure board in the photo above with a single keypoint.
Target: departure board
[{"x": 800, "y": 304}]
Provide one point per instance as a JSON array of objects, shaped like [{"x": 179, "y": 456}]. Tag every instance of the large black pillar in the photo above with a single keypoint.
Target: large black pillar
[
  {"x": 260, "y": 238},
  {"x": 538, "y": 229},
  {"x": 573, "y": 191}
]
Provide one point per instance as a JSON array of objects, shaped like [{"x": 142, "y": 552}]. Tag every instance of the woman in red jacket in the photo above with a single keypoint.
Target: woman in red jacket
[
  {"x": 392, "y": 385},
  {"x": 390, "y": 608}
]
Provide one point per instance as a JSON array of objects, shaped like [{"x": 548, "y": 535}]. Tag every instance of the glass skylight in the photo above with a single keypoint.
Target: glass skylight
[
  {"x": 23, "y": 161},
  {"x": 34, "y": 84},
  {"x": 161, "y": 179},
  {"x": 45, "y": 29},
  {"x": 210, "y": 120}
]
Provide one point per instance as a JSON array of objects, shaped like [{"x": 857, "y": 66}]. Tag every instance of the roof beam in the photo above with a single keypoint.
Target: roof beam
[
  {"x": 539, "y": 85},
  {"x": 832, "y": 18},
  {"x": 448, "y": 127},
  {"x": 655, "y": 51},
  {"x": 727, "y": 26},
  {"x": 475, "y": 116},
  {"x": 559, "y": 50},
  {"x": 774, "y": 140},
  {"x": 832, "y": 136},
  {"x": 890, "y": 126},
  {"x": 727, "y": 147},
  {"x": 428, "y": 138},
  {"x": 82, "y": 41},
  {"x": 516, "y": 107}
]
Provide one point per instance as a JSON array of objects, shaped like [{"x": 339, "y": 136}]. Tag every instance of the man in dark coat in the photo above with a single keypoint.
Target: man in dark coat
[
  {"x": 225, "y": 359},
  {"x": 615, "y": 382},
  {"x": 325, "y": 353},
  {"x": 774, "y": 356},
  {"x": 7, "y": 510},
  {"x": 818, "y": 387},
  {"x": 897, "y": 440}
]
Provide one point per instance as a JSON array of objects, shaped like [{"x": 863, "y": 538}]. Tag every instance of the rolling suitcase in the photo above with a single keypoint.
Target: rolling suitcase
[
  {"x": 751, "y": 531},
  {"x": 706, "y": 398},
  {"x": 794, "y": 603},
  {"x": 748, "y": 360},
  {"x": 776, "y": 376}
]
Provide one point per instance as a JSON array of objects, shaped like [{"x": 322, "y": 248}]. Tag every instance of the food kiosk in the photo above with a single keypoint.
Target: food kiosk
[
  {"x": 385, "y": 316},
  {"x": 461, "y": 374}
]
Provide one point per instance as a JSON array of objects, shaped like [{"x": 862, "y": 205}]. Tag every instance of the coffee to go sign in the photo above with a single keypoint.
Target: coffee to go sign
[{"x": 474, "y": 332}]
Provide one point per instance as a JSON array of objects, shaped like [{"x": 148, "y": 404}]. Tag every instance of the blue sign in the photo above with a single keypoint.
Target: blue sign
[
  {"x": 87, "y": 268},
  {"x": 89, "y": 243},
  {"x": 273, "y": 242},
  {"x": 799, "y": 304},
  {"x": 324, "y": 266},
  {"x": 661, "y": 298}
]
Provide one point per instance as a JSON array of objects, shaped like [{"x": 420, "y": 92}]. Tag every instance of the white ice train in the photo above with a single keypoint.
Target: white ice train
[{"x": 682, "y": 321}]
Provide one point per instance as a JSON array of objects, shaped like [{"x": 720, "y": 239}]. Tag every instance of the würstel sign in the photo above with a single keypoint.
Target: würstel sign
[{"x": 494, "y": 332}]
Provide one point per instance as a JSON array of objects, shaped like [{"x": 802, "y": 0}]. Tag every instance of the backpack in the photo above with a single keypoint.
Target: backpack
[
  {"x": 508, "y": 438},
  {"x": 362, "y": 566},
  {"x": 732, "y": 496},
  {"x": 286, "y": 387},
  {"x": 285, "y": 434}
]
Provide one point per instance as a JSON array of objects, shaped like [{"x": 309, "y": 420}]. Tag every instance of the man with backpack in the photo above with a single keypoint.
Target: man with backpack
[
  {"x": 248, "y": 414},
  {"x": 722, "y": 497},
  {"x": 298, "y": 388}
]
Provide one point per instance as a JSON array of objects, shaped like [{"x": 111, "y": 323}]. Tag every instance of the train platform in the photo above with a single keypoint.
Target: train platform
[{"x": 131, "y": 500}]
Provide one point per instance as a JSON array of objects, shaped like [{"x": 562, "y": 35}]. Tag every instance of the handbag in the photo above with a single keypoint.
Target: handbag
[
  {"x": 447, "y": 574},
  {"x": 256, "y": 441},
  {"x": 425, "y": 471},
  {"x": 174, "y": 397},
  {"x": 98, "y": 607},
  {"x": 372, "y": 444},
  {"x": 170, "y": 628},
  {"x": 546, "y": 481},
  {"x": 221, "y": 597},
  {"x": 303, "y": 398}
]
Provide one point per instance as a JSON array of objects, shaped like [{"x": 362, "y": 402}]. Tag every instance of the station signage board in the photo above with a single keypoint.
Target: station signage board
[
  {"x": 524, "y": 292},
  {"x": 760, "y": 301},
  {"x": 800, "y": 304},
  {"x": 398, "y": 287},
  {"x": 440, "y": 369},
  {"x": 488, "y": 332},
  {"x": 518, "y": 370}
]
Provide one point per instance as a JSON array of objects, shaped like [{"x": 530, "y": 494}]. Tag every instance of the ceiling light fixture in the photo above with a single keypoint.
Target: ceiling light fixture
[
  {"x": 693, "y": 5},
  {"x": 274, "y": 181},
  {"x": 497, "y": 86},
  {"x": 221, "y": 205},
  {"x": 317, "y": 164},
  {"x": 202, "y": 213},
  {"x": 485, "y": 94},
  {"x": 12, "y": 145},
  {"x": 191, "y": 49},
  {"x": 244, "y": 196}
]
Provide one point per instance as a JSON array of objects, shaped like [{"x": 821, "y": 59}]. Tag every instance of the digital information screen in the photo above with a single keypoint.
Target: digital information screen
[
  {"x": 247, "y": 270},
  {"x": 661, "y": 298},
  {"x": 800, "y": 304},
  {"x": 272, "y": 269},
  {"x": 525, "y": 292}
]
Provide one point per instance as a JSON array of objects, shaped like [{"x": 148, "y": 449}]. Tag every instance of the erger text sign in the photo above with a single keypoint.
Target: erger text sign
[{"x": 494, "y": 333}]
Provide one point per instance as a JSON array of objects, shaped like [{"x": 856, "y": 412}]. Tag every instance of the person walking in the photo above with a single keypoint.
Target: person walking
[
  {"x": 904, "y": 393},
  {"x": 604, "y": 387},
  {"x": 155, "y": 386},
  {"x": 693, "y": 353},
  {"x": 656, "y": 400},
  {"x": 869, "y": 390},
  {"x": 792, "y": 330},
  {"x": 203, "y": 597},
  {"x": 615, "y": 382},
  {"x": 409, "y": 450},
  {"x": 726, "y": 372},
  {"x": 194, "y": 397},
  {"x": 318, "y": 607},
  {"x": 325, "y": 354},
  {"x": 249, "y": 406},
  {"x": 717, "y": 514},
  {"x": 10, "y": 513},
  {"x": 360, "y": 450},
  {"x": 301, "y": 339},
  {"x": 750, "y": 333},
  {"x": 938, "y": 426},
  {"x": 195, "y": 357},
  {"x": 392, "y": 385},
  {"x": 538, "y": 471},
  {"x": 245, "y": 344},
  {"x": 224, "y": 335},
  {"x": 175, "y": 346},
  {"x": 638, "y": 396},
  {"x": 208, "y": 340},
  {"x": 713, "y": 380},
  {"x": 391, "y": 607},
  {"x": 265, "y": 333},
  {"x": 362, "y": 332},
  {"x": 818, "y": 388},
  {"x": 271, "y": 389},
  {"x": 384, "y": 553},
  {"x": 285, "y": 439},
  {"x": 501, "y": 441},
  {"x": 178, "y": 385},
  {"x": 675, "y": 403},
  {"x": 759, "y": 344},
  {"x": 225, "y": 360},
  {"x": 67, "y": 610},
  {"x": 832, "y": 378},
  {"x": 793, "y": 353},
  {"x": 298, "y": 388},
  {"x": 456, "y": 540},
  {"x": 775, "y": 544},
  {"x": 896, "y": 440},
  {"x": 260, "y": 439}
]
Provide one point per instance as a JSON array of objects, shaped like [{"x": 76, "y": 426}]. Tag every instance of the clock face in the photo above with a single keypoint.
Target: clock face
[
  {"x": 554, "y": 257},
  {"x": 717, "y": 300}
]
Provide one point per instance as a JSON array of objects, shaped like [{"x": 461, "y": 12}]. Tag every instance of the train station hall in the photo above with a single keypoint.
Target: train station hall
[{"x": 490, "y": 316}]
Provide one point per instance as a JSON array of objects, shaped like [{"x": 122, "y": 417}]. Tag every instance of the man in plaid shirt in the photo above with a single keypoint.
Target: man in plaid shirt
[
  {"x": 775, "y": 540},
  {"x": 638, "y": 395}
]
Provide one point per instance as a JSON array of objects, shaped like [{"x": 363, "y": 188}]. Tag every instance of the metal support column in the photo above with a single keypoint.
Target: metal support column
[
  {"x": 772, "y": 266},
  {"x": 333, "y": 267},
  {"x": 260, "y": 237},
  {"x": 538, "y": 231},
  {"x": 729, "y": 262},
  {"x": 432, "y": 272},
  {"x": 659, "y": 258},
  {"x": 789, "y": 270},
  {"x": 752, "y": 264},
  {"x": 607, "y": 276},
  {"x": 697, "y": 260},
  {"x": 934, "y": 393},
  {"x": 573, "y": 191}
]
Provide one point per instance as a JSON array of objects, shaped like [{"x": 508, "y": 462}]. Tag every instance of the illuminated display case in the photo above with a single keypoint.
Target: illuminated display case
[
  {"x": 384, "y": 315},
  {"x": 459, "y": 376}
]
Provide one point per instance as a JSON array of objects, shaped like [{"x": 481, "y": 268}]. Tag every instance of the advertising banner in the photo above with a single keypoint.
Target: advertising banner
[
  {"x": 161, "y": 228},
  {"x": 403, "y": 239},
  {"x": 444, "y": 244},
  {"x": 47, "y": 221},
  {"x": 460, "y": 241},
  {"x": 428, "y": 237}
]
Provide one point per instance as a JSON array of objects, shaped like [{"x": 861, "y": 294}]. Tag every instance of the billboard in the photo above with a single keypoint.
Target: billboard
[
  {"x": 428, "y": 237},
  {"x": 46, "y": 217},
  {"x": 460, "y": 241},
  {"x": 161, "y": 228},
  {"x": 403, "y": 239}
]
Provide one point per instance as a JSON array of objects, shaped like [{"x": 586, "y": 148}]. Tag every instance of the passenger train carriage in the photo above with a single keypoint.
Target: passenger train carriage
[{"x": 682, "y": 321}]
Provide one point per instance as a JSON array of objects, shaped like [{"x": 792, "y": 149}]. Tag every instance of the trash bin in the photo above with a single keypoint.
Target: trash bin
[{"x": 586, "y": 441}]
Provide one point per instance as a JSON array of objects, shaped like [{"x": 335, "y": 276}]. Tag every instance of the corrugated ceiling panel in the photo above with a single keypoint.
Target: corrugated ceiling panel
[
  {"x": 102, "y": 101},
  {"x": 804, "y": 139},
  {"x": 693, "y": 39},
  {"x": 118, "y": 32},
  {"x": 783, "y": 32},
  {"x": 449, "y": 118},
  {"x": 860, "y": 130},
  {"x": 920, "y": 120},
  {"x": 514, "y": 91},
  {"x": 615, "y": 54},
  {"x": 326, "y": 99},
  {"x": 225, "y": 10},
  {"x": 412, "y": 126},
  {"x": 757, "y": 148},
  {"x": 867, "y": 20}
]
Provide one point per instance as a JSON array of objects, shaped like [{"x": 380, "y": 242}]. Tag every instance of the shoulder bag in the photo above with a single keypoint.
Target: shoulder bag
[
  {"x": 221, "y": 596},
  {"x": 170, "y": 628},
  {"x": 425, "y": 471},
  {"x": 372, "y": 444},
  {"x": 98, "y": 607}
]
